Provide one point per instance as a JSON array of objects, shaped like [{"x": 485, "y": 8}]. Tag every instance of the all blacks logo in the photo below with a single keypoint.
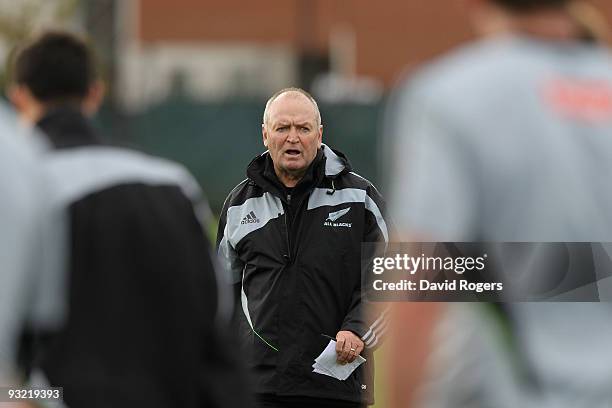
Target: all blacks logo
[{"x": 331, "y": 220}]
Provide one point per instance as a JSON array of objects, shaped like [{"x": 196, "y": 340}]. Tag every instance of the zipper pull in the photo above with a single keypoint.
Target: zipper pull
[{"x": 289, "y": 198}]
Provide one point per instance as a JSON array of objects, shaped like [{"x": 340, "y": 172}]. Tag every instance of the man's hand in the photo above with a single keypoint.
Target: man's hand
[{"x": 348, "y": 346}]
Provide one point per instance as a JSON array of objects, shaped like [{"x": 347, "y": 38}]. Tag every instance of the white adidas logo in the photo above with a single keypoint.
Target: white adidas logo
[{"x": 331, "y": 219}]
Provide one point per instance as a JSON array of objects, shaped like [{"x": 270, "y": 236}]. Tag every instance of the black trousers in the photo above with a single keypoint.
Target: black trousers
[{"x": 273, "y": 401}]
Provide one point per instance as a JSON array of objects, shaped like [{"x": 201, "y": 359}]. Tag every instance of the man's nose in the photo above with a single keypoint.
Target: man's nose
[{"x": 293, "y": 135}]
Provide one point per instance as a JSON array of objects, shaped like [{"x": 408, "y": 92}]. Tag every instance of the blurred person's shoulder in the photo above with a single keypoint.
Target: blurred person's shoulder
[
  {"x": 490, "y": 63},
  {"x": 481, "y": 81},
  {"x": 469, "y": 68},
  {"x": 159, "y": 167},
  {"x": 80, "y": 171},
  {"x": 21, "y": 183},
  {"x": 19, "y": 154},
  {"x": 17, "y": 147}
]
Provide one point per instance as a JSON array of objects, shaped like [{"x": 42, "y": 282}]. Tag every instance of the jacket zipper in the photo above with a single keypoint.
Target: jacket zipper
[{"x": 288, "y": 255}]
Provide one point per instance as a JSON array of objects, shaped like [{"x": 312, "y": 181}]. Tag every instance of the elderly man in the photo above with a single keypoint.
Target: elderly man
[{"x": 291, "y": 236}]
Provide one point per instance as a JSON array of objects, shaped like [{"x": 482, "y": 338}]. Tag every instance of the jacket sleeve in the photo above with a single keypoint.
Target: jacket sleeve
[
  {"x": 230, "y": 264},
  {"x": 367, "y": 319}
]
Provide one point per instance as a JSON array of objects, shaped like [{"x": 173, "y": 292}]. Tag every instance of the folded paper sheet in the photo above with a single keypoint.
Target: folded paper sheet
[{"x": 326, "y": 363}]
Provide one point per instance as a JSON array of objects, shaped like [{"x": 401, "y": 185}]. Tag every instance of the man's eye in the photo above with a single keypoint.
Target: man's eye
[
  {"x": 305, "y": 129},
  {"x": 282, "y": 128}
]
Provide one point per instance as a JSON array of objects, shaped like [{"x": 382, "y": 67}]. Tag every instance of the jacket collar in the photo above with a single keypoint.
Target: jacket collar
[
  {"x": 328, "y": 163},
  {"x": 65, "y": 126}
]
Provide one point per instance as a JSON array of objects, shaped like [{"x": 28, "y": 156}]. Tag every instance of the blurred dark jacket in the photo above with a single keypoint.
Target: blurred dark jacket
[{"x": 141, "y": 327}]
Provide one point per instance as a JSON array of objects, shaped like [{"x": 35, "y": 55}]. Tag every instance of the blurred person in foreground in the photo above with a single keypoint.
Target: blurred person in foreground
[
  {"x": 21, "y": 215},
  {"x": 508, "y": 139},
  {"x": 143, "y": 324},
  {"x": 290, "y": 235}
]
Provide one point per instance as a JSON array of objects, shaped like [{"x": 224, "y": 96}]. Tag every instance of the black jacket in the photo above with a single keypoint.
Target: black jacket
[
  {"x": 295, "y": 259},
  {"x": 140, "y": 287}
]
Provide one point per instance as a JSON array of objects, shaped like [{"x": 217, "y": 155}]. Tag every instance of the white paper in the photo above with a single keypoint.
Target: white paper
[{"x": 326, "y": 363}]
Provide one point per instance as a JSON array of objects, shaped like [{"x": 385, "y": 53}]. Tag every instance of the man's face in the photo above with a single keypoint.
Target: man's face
[{"x": 292, "y": 134}]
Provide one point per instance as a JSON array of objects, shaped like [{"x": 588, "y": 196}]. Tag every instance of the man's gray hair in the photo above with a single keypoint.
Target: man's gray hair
[{"x": 266, "y": 115}]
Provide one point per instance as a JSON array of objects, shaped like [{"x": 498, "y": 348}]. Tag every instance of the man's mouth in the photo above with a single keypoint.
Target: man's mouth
[{"x": 292, "y": 152}]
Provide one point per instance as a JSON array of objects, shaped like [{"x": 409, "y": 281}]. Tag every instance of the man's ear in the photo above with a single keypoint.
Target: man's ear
[
  {"x": 264, "y": 134},
  {"x": 18, "y": 95},
  {"x": 320, "y": 136},
  {"x": 29, "y": 108},
  {"x": 94, "y": 98}
]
